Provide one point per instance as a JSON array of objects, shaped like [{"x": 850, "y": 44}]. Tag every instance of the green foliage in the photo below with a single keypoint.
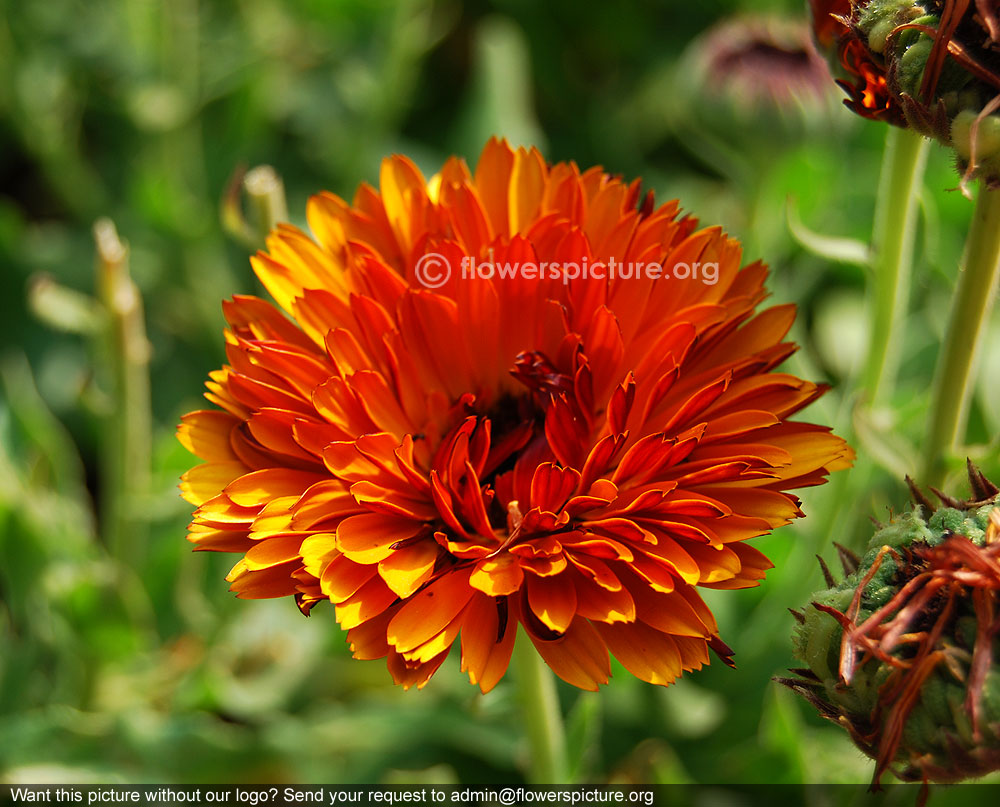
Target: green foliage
[{"x": 141, "y": 111}]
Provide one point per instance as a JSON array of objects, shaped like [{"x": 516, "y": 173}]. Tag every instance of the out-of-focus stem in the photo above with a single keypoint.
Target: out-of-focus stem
[
  {"x": 892, "y": 257},
  {"x": 541, "y": 717},
  {"x": 954, "y": 380},
  {"x": 261, "y": 193},
  {"x": 266, "y": 200},
  {"x": 126, "y": 440}
]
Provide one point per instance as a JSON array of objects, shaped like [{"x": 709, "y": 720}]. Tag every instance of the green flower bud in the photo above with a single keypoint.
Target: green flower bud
[
  {"x": 879, "y": 18},
  {"x": 754, "y": 78},
  {"x": 918, "y": 65},
  {"x": 987, "y": 140},
  {"x": 902, "y": 653},
  {"x": 912, "y": 63}
]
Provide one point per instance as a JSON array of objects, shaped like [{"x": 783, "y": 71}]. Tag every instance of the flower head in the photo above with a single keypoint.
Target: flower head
[
  {"x": 902, "y": 652},
  {"x": 520, "y": 447},
  {"x": 933, "y": 65},
  {"x": 763, "y": 63},
  {"x": 754, "y": 81}
]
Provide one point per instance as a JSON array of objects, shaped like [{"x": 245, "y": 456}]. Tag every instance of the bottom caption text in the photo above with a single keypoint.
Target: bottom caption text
[{"x": 330, "y": 797}]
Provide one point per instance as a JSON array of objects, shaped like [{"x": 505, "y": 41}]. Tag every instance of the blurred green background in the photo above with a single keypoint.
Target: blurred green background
[{"x": 131, "y": 662}]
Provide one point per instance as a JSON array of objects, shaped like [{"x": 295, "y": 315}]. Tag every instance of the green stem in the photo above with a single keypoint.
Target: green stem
[
  {"x": 266, "y": 197},
  {"x": 954, "y": 378},
  {"x": 892, "y": 252},
  {"x": 541, "y": 716},
  {"x": 126, "y": 444}
]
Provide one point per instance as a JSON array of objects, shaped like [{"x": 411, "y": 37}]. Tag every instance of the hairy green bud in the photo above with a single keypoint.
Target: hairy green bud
[{"x": 902, "y": 652}]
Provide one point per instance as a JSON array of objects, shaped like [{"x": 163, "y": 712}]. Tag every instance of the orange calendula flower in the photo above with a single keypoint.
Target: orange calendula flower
[{"x": 489, "y": 412}]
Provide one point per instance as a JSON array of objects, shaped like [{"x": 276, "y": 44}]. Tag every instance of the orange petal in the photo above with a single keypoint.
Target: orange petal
[
  {"x": 655, "y": 573},
  {"x": 738, "y": 424},
  {"x": 669, "y": 553},
  {"x": 367, "y": 640},
  {"x": 668, "y": 613},
  {"x": 273, "y": 552},
  {"x": 263, "y": 321},
  {"x": 715, "y": 565},
  {"x": 325, "y": 213},
  {"x": 553, "y": 599},
  {"x": 259, "y": 487},
  {"x": 368, "y": 538},
  {"x": 220, "y": 511},
  {"x": 407, "y": 675},
  {"x": 216, "y": 540},
  {"x": 256, "y": 394},
  {"x": 205, "y": 433},
  {"x": 493, "y": 181},
  {"x": 527, "y": 183},
  {"x": 274, "y": 430},
  {"x": 430, "y": 611},
  {"x": 693, "y": 650},
  {"x": 428, "y": 323},
  {"x": 596, "y": 602},
  {"x": 366, "y": 603},
  {"x": 486, "y": 642},
  {"x": 262, "y": 584},
  {"x": 776, "y": 508},
  {"x": 326, "y": 501},
  {"x": 317, "y": 551},
  {"x": 753, "y": 568},
  {"x": 440, "y": 643},
  {"x": 645, "y": 652},
  {"x": 579, "y": 657},
  {"x": 342, "y": 578},
  {"x": 497, "y": 576},
  {"x": 380, "y": 403},
  {"x": 391, "y": 501},
  {"x": 551, "y": 486},
  {"x": 597, "y": 571},
  {"x": 274, "y": 518},
  {"x": 402, "y": 186},
  {"x": 204, "y": 482},
  {"x": 409, "y": 567}
]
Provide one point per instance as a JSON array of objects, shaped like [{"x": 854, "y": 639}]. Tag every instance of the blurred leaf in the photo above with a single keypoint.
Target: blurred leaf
[
  {"x": 652, "y": 761},
  {"x": 691, "y": 710},
  {"x": 781, "y": 730},
  {"x": 262, "y": 658},
  {"x": 435, "y": 775},
  {"x": 840, "y": 328},
  {"x": 40, "y": 470},
  {"x": 62, "y": 308},
  {"x": 882, "y": 442},
  {"x": 500, "y": 100},
  {"x": 828, "y": 247}
]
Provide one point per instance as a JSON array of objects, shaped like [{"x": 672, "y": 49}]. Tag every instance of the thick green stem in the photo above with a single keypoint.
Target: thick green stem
[
  {"x": 541, "y": 716},
  {"x": 954, "y": 377},
  {"x": 892, "y": 254}
]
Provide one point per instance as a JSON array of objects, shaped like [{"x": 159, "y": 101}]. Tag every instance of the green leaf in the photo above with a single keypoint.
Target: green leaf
[
  {"x": 62, "y": 308},
  {"x": 828, "y": 247}
]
